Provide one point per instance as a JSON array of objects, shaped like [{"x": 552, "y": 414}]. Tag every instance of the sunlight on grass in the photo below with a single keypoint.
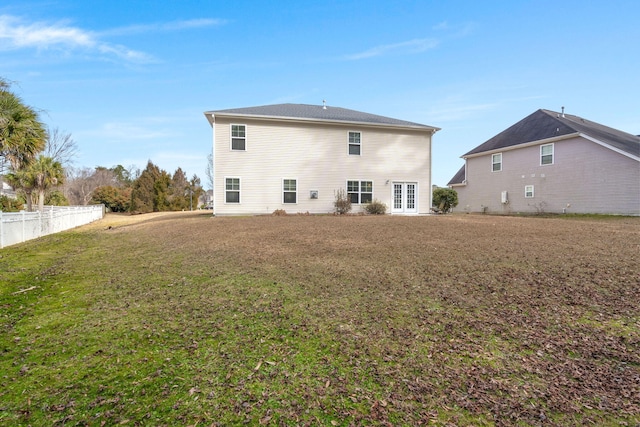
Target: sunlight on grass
[{"x": 129, "y": 325}]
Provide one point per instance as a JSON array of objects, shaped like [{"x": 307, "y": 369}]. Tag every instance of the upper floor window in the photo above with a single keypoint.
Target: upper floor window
[
  {"x": 496, "y": 162},
  {"x": 360, "y": 191},
  {"x": 289, "y": 191},
  {"x": 546, "y": 154},
  {"x": 354, "y": 143},
  {"x": 239, "y": 137},
  {"x": 232, "y": 190}
]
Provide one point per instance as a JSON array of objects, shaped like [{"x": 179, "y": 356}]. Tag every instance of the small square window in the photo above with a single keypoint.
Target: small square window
[
  {"x": 528, "y": 191},
  {"x": 239, "y": 137},
  {"x": 354, "y": 143},
  {"x": 496, "y": 162}
]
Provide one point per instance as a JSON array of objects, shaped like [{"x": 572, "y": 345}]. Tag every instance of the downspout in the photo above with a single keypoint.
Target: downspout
[
  {"x": 213, "y": 165},
  {"x": 430, "y": 188}
]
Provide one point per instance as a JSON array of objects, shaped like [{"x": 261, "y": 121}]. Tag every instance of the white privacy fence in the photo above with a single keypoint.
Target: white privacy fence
[{"x": 18, "y": 227}]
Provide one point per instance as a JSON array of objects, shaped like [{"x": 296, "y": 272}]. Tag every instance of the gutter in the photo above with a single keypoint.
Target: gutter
[{"x": 211, "y": 118}]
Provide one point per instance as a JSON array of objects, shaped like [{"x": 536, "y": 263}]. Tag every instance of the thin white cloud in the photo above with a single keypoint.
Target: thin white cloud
[
  {"x": 444, "y": 25},
  {"x": 163, "y": 27},
  {"x": 404, "y": 48},
  {"x": 16, "y": 34}
]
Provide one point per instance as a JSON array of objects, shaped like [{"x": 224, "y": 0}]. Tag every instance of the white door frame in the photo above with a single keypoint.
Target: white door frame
[{"x": 404, "y": 197}]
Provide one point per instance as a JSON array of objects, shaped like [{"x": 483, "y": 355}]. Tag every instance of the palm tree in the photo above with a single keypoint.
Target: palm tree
[
  {"x": 22, "y": 134},
  {"x": 21, "y": 180},
  {"x": 47, "y": 173},
  {"x": 40, "y": 176}
]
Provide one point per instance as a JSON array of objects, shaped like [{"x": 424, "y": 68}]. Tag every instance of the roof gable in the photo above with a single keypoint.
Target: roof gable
[
  {"x": 317, "y": 113},
  {"x": 546, "y": 124},
  {"x": 459, "y": 177}
]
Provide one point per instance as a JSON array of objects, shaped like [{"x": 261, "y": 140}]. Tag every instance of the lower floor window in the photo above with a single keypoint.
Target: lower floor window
[
  {"x": 360, "y": 191},
  {"x": 232, "y": 190},
  {"x": 289, "y": 191},
  {"x": 528, "y": 191}
]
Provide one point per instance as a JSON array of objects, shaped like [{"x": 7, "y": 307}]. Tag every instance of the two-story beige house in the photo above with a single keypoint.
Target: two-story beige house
[
  {"x": 552, "y": 162},
  {"x": 295, "y": 157}
]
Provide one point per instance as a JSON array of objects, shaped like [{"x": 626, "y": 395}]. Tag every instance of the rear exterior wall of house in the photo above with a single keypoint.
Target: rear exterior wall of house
[{"x": 312, "y": 160}]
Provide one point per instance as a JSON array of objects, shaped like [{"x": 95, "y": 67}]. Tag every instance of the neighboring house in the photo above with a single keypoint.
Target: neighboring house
[
  {"x": 295, "y": 157},
  {"x": 552, "y": 162}
]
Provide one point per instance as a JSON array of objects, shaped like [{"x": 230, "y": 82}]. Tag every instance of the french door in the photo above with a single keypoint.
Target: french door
[{"x": 405, "y": 197}]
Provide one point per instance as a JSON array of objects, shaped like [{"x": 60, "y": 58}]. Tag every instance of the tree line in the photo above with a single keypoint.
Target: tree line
[{"x": 37, "y": 163}]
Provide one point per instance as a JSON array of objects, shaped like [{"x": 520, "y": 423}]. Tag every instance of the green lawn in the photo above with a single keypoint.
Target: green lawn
[{"x": 331, "y": 321}]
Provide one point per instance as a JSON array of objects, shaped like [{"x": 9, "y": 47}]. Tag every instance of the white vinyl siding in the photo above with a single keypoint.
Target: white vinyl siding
[
  {"x": 314, "y": 155},
  {"x": 496, "y": 162}
]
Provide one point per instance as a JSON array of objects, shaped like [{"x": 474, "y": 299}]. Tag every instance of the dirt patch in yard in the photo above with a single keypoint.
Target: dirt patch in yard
[{"x": 511, "y": 320}]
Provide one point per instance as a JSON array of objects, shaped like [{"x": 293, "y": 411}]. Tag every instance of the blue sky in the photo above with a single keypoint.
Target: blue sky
[{"x": 130, "y": 80}]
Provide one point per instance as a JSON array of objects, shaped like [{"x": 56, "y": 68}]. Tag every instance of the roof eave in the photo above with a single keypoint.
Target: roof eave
[
  {"x": 522, "y": 145},
  {"x": 212, "y": 114}
]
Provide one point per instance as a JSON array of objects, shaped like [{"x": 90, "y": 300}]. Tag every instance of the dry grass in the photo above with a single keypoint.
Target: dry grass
[{"x": 317, "y": 320}]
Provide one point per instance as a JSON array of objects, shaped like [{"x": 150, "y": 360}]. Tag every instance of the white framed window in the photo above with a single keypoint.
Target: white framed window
[
  {"x": 289, "y": 191},
  {"x": 528, "y": 191},
  {"x": 355, "y": 143},
  {"x": 496, "y": 162},
  {"x": 238, "y": 137},
  {"x": 546, "y": 154},
  {"x": 360, "y": 191},
  {"x": 232, "y": 190}
]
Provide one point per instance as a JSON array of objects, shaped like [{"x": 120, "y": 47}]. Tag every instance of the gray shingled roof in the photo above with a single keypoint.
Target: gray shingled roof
[
  {"x": 317, "y": 112},
  {"x": 544, "y": 124},
  {"x": 459, "y": 177}
]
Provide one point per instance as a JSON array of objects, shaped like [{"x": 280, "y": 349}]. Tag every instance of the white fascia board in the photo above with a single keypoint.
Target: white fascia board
[
  {"x": 211, "y": 117},
  {"x": 523, "y": 145}
]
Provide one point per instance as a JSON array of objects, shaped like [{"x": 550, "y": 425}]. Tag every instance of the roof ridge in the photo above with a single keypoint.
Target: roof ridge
[{"x": 321, "y": 113}]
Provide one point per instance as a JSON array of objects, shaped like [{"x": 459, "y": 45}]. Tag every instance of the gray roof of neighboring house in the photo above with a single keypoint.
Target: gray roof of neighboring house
[
  {"x": 459, "y": 177},
  {"x": 545, "y": 124},
  {"x": 317, "y": 112}
]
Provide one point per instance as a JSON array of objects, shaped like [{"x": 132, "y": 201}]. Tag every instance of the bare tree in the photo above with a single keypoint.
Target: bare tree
[
  {"x": 81, "y": 183},
  {"x": 61, "y": 146},
  {"x": 209, "y": 171}
]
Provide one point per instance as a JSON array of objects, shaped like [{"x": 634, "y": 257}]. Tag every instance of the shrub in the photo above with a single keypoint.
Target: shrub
[
  {"x": 375, "y": 207},
  {"x": 444, "y": 199},
  {"x": 342, "y": 202},
  {"x": 279, "y": 212},
  {"x": 7, "y": 204}
]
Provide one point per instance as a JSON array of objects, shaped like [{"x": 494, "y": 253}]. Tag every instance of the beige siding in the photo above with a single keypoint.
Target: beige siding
[
  {"x": 317, "y": 156},
  {"x": 584, "y": 178}
]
